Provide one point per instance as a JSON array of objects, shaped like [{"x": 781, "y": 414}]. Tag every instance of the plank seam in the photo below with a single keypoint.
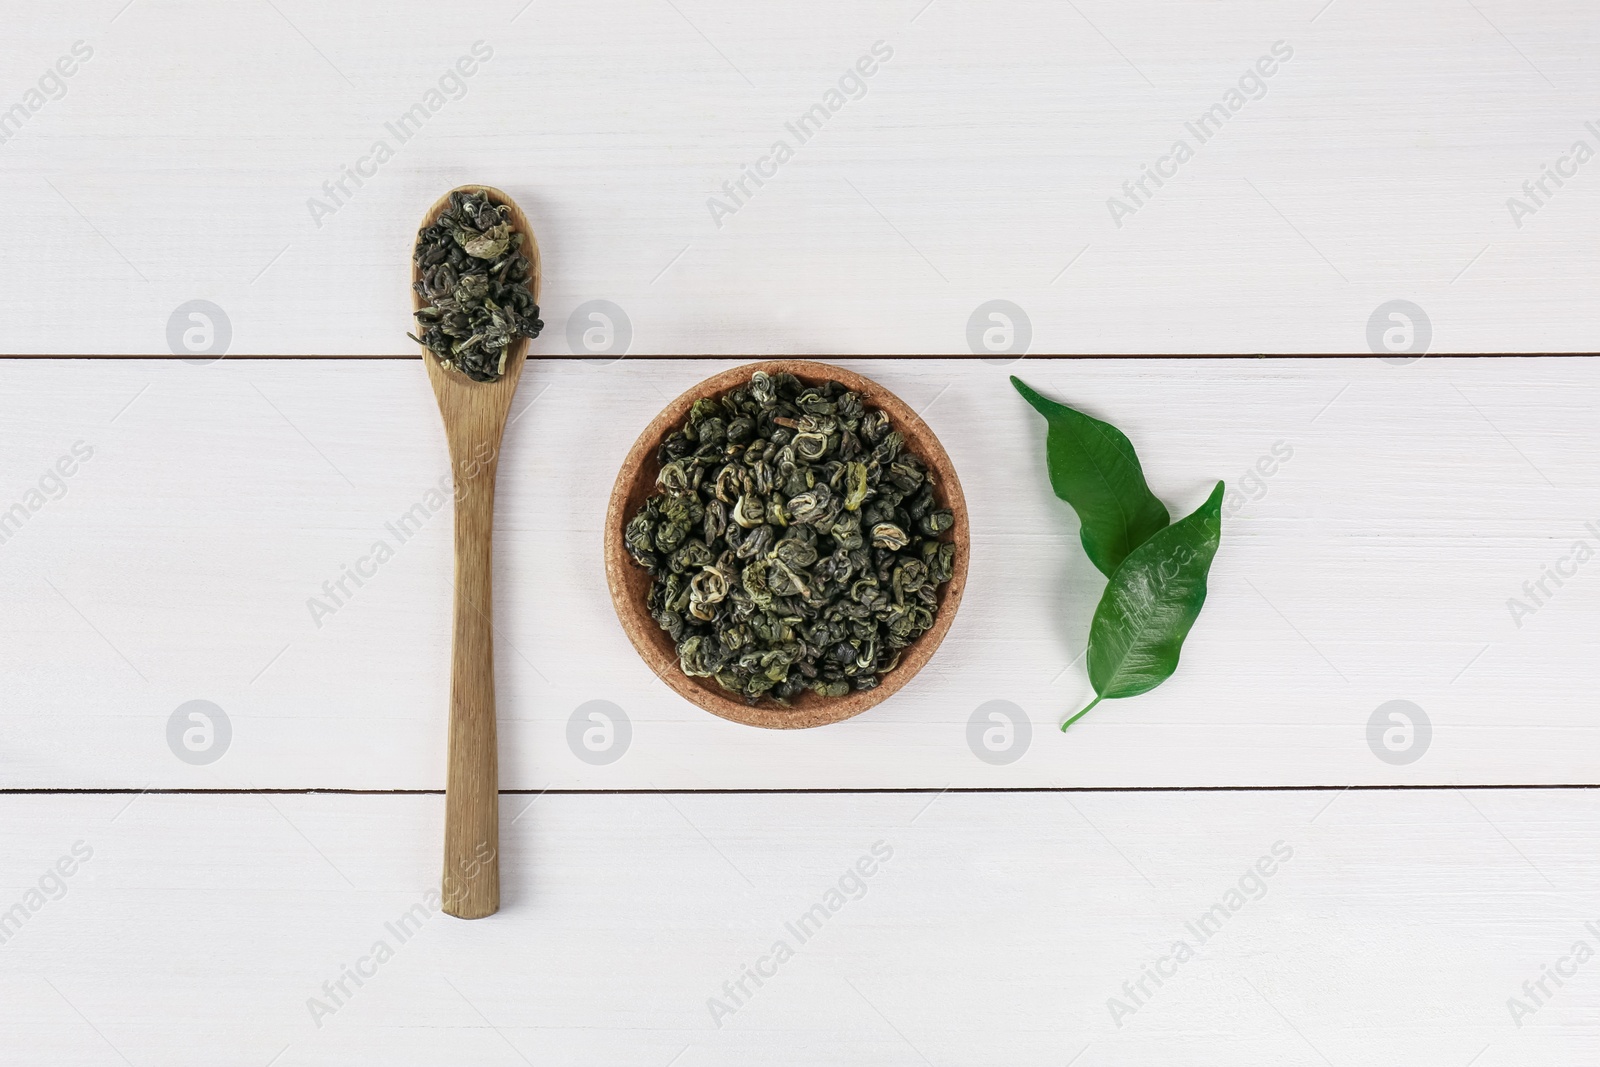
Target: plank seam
[
  {"x": 799, "y": 791},
  {"x": 555, "y": 356}
]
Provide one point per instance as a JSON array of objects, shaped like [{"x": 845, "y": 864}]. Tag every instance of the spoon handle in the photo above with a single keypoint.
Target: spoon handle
[{"x": 471, "y": 885}]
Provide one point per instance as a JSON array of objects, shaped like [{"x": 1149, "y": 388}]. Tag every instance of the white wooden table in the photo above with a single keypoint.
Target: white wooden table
[{"x": 937, "y": 901}]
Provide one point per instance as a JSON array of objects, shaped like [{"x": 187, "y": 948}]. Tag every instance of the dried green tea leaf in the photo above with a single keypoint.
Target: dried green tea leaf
[
  {"x": 1093, "y": 467},
  {"x": 490, "y": 245},
  {"x": 474, "y": 278},
  {"x": 793, "y": 541},
  {"x": 1150, "y": 604}
]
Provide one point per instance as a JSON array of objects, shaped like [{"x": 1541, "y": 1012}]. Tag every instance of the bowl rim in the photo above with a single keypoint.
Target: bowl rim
[{"x": 654, "y": 646}]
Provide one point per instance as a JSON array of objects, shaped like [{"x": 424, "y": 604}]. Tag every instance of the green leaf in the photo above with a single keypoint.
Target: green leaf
[
  {"x": 1150, "y": 604},
  {"x": 1093, "y": 467}
]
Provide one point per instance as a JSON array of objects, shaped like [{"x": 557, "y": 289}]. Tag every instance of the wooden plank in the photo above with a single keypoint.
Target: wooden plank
[
  {"x": 981, "y": 161},
  {"x": 1374, "y": 564},
  {"x": 184, "y": 161},
  {"x": 998, "y": 930}
]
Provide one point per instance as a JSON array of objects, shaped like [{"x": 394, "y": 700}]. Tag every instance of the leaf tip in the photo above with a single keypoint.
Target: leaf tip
[{"x": 1041, "y": 403}]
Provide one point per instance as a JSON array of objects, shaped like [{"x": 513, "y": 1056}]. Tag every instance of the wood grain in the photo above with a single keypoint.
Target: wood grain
[
  {"x": 630, "y": 584},
  {"x": 996, "y": 933},
  {"x": 1375, "y": 564},
  {"x": 474, "y": 416},
  {"x": 978, "y": 165},
  {"x": 178, "y": 562}
]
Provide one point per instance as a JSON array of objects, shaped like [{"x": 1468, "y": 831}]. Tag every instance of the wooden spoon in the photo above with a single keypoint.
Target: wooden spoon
[{"x": 474, "y": 420}]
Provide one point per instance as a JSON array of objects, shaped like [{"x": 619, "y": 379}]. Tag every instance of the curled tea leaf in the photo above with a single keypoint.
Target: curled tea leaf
[
  {"x": 475, "y": 280},
  {"x": 1093, "y": 467},
  {"x": 888, "y": 535},
  {"x": 793, "y": 541},
  {"x": 1150, "y": 604}
]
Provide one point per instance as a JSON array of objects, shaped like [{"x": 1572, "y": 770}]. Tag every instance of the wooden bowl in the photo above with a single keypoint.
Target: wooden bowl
[{"x": 630, "y": 583}]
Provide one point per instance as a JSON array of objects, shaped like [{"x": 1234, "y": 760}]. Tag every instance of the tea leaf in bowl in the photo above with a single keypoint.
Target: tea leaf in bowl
[
  {"x": 1093, "y": 467},
  {"x": 1150, "y": 604}
]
